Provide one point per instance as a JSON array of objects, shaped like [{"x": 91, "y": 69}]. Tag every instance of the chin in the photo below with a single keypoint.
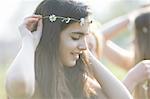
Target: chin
[{"x": 71, "y": 64}]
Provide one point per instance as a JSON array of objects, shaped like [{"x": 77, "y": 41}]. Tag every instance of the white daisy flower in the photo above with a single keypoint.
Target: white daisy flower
[
  {"x": 144, "y": 29},
  {"x": 68, "y": 20},
  {"x": 82, "y": 21},
  {"x": 52, "y": 18}
]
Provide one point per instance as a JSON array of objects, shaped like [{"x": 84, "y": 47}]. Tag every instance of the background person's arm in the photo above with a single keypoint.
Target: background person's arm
[
  {"x": 117, "y": 55},
  {"x": 112, "y": 51},
  {"x": 137, "y": 75},
  {"x": 112, "y": 28}
]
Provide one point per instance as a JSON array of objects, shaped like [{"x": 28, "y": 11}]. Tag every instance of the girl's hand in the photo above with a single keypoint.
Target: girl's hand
[
  {"x": 137, "y": 74},
  {"x": 32, "y": 28}
]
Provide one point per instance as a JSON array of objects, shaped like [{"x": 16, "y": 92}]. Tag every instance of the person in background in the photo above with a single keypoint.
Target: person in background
[{"x": 136, "y": 77}]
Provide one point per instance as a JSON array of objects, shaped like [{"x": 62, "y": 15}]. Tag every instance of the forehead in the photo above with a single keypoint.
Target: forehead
[{"x": 77, "y": 28}]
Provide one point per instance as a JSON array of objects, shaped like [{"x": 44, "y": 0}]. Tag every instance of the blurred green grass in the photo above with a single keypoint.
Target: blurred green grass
[
  {"x": 116, "y": 70},
  {"x": 3, "y": 69}
]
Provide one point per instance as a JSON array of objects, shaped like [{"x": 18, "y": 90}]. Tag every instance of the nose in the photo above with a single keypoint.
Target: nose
[{"x": 82, "y": 45}]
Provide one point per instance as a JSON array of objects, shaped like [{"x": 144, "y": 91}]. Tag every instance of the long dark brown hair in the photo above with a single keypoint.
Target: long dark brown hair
[
  {"x": 54, "y": 80},
  {"x": 142, "y": 47}
]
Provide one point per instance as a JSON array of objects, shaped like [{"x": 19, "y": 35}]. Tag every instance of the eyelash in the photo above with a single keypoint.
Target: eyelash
[{"x": 75, "y": 38}]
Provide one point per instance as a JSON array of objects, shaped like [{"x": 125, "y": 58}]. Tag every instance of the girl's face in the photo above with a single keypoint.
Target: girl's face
[{"x": 72, "y": 43}]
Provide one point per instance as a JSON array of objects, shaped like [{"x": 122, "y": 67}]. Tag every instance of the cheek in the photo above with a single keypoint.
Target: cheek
[
  {"x": 69, "y": 44},
  {"x": 66, "y": 47},
  {"x": 66, "y": 57}
]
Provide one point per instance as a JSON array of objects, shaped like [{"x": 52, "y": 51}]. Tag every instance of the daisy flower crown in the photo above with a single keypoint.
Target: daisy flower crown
[
  {"x": 145, "y": 30},
  {"x": 53, "y": 18}
]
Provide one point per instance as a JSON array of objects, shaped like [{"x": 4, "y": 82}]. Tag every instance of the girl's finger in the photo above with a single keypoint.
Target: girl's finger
[
  {"x": 32, "y": 24},
  {"x": 34, "y": 16},
  {"x": 37, "y": 34}
]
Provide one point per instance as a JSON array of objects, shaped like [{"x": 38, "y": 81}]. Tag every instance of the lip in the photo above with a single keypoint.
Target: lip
[{"x": 75, "y": 56}]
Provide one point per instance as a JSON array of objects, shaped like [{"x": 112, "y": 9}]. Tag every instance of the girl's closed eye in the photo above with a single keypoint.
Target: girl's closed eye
[{"x": 75, "y": 36}]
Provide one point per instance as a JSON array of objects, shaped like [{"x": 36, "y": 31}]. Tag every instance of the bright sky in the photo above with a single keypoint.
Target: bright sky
[{"x": 9, "y": 10}]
